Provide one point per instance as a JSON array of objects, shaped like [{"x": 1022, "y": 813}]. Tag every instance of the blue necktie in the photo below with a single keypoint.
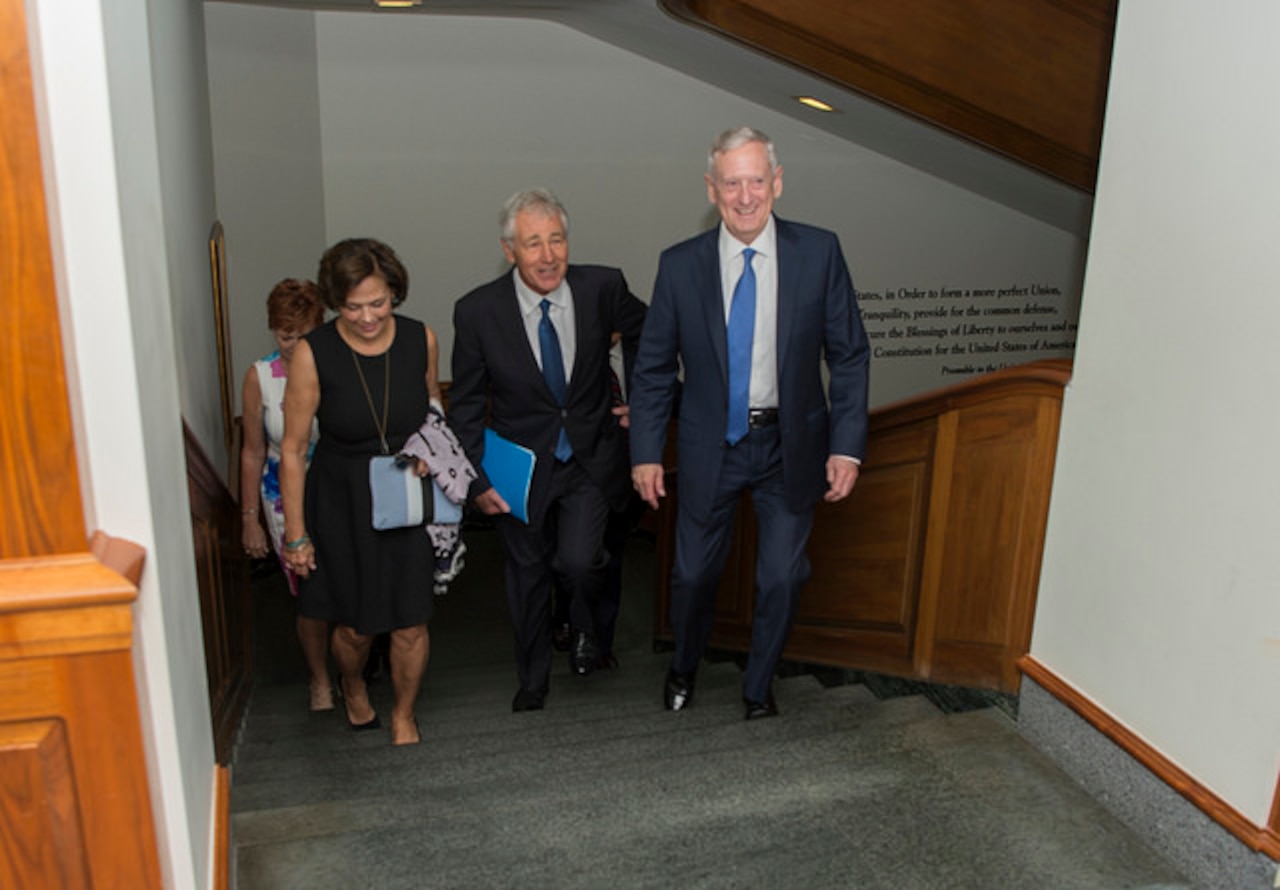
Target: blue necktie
[
  {"x": 742, "y": 323},
  {"x": 553, "y": 371}
]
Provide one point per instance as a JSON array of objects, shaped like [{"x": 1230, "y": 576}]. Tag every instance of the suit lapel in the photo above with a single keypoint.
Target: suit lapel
[
  {"x": 509, "y": 321},
  {"x": 585, "y": 321},
  {"x": 788, "y": 282},
  {"x": 708, "y": 290}
]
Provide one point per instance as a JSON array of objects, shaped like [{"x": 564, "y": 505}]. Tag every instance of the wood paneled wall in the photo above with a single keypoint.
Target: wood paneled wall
[
  {"x": 75, "y": 808},
  {"x": 929, "y": 569},
  {"x": 1026, "y": 78},
  {"x": 74, "y": 805},
  {"x": 40, "y": 486},
  {"x": 222, "y": 575}
]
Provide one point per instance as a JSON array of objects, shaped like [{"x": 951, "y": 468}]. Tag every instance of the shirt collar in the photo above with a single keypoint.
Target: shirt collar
[
  {"x": 531, "y": 299},
  {"x": 766, "y": 242}
]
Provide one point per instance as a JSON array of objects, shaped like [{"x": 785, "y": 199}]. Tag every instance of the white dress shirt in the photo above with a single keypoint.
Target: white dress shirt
[
  {"x": 561, "y": 314},
  {"x": 764, "y": 342}
]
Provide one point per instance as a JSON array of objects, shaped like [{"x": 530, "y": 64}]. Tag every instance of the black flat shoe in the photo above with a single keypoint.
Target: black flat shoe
[
  {"x": 375, "y": 723},
  {"x": 677, "y": 691}
]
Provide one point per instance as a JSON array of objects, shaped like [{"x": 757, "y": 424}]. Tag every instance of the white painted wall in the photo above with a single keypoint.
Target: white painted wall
[
  {"x": 426, "y": 123},
  {"x": 124, "y": 141},
  {"x": 266, "y": 108},
  {"x": 1159, "y": 597}
]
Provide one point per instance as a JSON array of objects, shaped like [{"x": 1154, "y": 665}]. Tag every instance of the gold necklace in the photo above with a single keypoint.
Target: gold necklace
[{"x": 381, "y": 425}]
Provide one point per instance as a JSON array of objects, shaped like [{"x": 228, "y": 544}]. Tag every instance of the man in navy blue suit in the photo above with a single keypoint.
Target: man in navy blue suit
[{"x": 751, "y": 310}]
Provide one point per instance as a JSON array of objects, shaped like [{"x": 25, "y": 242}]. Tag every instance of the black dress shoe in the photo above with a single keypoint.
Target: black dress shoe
[
  {"x": 527, "y": 700},
  {"x": 758, "y": 709},
  {"x": 582, "y": 659},
  {"x": 607, "y": 662},
  {"x": 677, "y": 691}
]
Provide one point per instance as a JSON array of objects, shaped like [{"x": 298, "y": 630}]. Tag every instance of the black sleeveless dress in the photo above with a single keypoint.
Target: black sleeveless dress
[{"x": 373, "y": 581}]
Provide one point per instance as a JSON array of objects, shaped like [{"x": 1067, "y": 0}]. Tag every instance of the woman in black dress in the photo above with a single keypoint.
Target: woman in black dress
[{"x": 368, "y": 376}]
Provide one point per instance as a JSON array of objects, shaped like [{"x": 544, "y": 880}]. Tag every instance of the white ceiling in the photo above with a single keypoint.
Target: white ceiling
[{"x": 643, "y": 28}]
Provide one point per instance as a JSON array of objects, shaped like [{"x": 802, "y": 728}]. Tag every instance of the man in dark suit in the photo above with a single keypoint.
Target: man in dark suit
[
  {"x": 750, "y": 309},
  {"x": 531, "y": 360}
]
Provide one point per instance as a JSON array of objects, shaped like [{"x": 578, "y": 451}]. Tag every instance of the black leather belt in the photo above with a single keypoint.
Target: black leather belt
[{"x": 759, "y": 417}]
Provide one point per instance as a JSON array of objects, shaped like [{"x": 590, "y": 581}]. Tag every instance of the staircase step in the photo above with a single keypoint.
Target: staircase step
[
  {"x": 606, "y": 787},
  {"x": 720, "y": 786},
  {"x": 518, "y": 748}
]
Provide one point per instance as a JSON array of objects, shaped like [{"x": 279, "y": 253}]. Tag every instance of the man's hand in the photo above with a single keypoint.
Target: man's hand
[
  {"x": 491, "y": 503},
  {"x": 623, "y": 413},
  {"x": 649, "y": 483},
  {"x": 842, "y": 474}
]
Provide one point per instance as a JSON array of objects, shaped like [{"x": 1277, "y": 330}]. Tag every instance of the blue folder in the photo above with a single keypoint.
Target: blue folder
[{"x": 510, "y": 470}]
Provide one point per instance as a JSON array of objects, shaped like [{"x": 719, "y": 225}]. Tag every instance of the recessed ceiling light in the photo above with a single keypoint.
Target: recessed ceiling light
[
  {"x": 815, "y": 103},
  {"x": 396, "y": 4}
]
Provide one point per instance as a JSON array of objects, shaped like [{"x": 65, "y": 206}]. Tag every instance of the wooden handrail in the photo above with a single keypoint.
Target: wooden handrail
[{"x": 1048, "y": 377}]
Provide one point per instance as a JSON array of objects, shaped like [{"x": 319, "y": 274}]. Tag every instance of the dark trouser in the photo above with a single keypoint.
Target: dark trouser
[
  {"x": 617, "y": 530},
  {"x": 782, "y": 566},
  {"x": 566, "y": 545}
]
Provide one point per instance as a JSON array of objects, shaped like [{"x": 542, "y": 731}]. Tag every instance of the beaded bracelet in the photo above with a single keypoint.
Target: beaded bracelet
[{"x": 295, "y": 545}]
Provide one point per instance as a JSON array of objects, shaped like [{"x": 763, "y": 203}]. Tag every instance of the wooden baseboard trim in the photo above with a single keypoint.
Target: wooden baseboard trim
[
  {"x": 222, "y": 828},
  {"x": 1261, "y": 839}
]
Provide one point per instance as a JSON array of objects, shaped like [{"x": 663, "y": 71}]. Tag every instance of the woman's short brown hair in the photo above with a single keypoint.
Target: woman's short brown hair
[
  {"x": 294, "y": 305},
  {"x": 349, "y": 262}
]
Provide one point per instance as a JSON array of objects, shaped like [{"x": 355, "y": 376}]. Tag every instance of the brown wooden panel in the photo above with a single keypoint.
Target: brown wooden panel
[
  {"x": 995, "y": 522},
  {"x": 983, "y": 527},
  {"x": 223, "y": 581},
  {"x": 866, "y": 553},
  {"x": 42, "y": 841},
  {"x": 39, "y": 482},
  {"x": 66, "y": 625},
  {"x": 1026, "y": 78}
]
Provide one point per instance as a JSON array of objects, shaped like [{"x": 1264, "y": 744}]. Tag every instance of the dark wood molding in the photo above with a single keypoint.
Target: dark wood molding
[
  {"x": 1025, "y": 78},
  {"x": 1271, "y": 843},
  {"x": 222, "y": 828},
  {"x": 1264, "y": 840}
]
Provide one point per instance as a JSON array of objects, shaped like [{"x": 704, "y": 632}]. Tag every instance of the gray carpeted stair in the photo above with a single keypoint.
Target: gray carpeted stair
[{"x": 606, "y": 789}]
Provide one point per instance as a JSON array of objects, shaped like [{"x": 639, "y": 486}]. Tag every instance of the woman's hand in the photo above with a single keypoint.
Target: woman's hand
[
  {"x": 253, "y": 537},
  {"x": 300, "y": 557}
]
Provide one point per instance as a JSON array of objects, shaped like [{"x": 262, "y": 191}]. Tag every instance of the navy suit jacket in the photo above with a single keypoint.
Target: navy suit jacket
[
  {"x": 497, "y": 381},
  {"x": 818, "y": 320}
]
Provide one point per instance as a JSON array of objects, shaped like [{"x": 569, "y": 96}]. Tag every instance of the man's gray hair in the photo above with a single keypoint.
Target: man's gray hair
[
  {"x": 539, "y": 199},
  {"x": 736, "y": 138}
]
